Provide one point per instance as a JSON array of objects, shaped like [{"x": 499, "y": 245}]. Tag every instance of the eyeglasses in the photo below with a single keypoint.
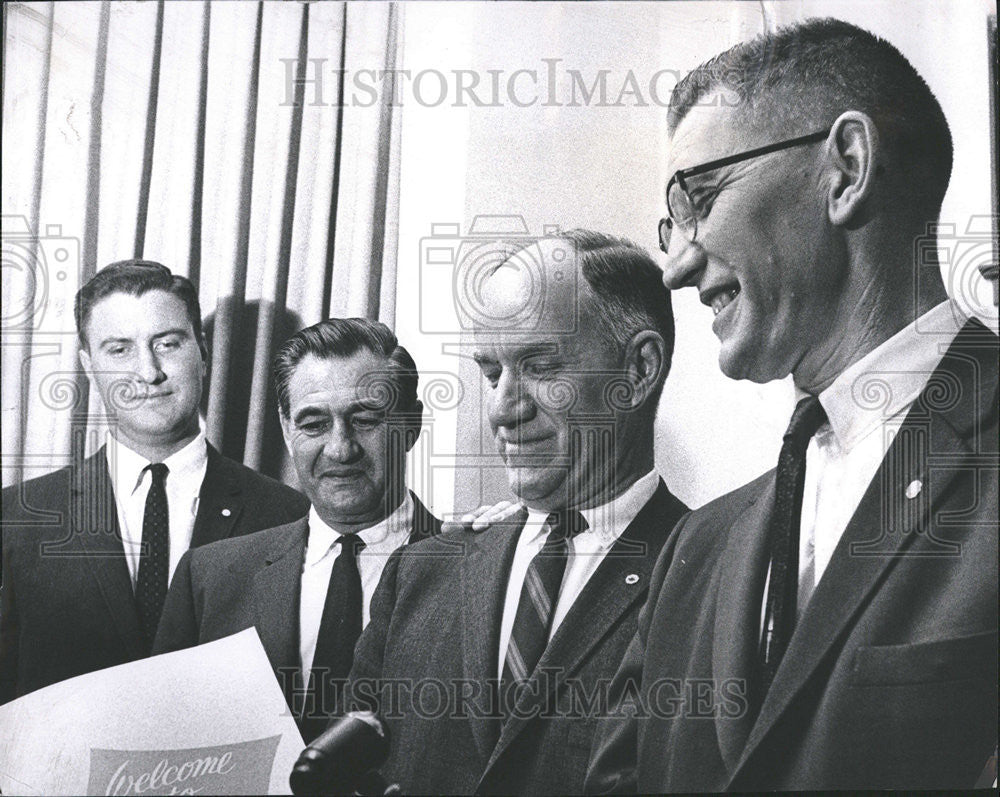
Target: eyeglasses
[{"x": 681, "y": 210}]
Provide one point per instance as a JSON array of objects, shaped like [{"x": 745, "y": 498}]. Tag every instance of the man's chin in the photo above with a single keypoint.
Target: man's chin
[{"x": 536, "y": 487}]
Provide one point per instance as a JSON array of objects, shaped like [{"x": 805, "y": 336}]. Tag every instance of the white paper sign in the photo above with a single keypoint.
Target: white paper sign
[{"x": 208, "y": 720}]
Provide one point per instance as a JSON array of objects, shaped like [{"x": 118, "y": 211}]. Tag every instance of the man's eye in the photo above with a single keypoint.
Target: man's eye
[
  {"x": 365, "y": 421},
  {"x": 539, "y": 368},
  {"x": 702, "y": 200},
  {"x": 169, "y": 344},
  {"x": 313, "y": 427},
  {"x": 116, "y": 351}
]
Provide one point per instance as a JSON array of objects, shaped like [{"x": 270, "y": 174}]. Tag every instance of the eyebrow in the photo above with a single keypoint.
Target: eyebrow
[
  {"x": 311, "y": 410},
  {"x": 180, "y": 331}
]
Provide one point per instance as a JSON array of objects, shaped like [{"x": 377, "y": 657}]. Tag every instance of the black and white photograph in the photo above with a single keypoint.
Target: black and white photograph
[{"x": 499, "y": 397}]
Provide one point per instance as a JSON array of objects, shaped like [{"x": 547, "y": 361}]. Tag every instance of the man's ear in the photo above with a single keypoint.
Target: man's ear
[
  {"x": 645, "y": 366},
  {"x": 853, "y": 150},
  {"x": 85, "y": 362},
  {"x": 286, "y": 429},
  {"x": 414, "y": 425},
  {"x": 203, "y": 346}
]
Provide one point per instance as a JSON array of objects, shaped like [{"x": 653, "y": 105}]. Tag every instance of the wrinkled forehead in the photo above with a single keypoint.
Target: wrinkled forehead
[
  {"x": 362, "y": 380},
  {"x": 535, "y": 293}
]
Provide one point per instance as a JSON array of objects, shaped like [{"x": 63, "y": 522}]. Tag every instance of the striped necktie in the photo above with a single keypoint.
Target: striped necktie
[{"x": 536, "y": 605}]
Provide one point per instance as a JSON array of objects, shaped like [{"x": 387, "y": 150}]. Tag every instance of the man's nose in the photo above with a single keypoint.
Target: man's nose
[
  {"x": 148, "y": 367},
  {"x": 510, "y": 403},
  {"x": 685, "y": 263},
  {"x": 341, "y": 445}
]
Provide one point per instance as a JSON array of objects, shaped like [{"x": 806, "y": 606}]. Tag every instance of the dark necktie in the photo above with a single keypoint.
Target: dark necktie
[
  {"x": 339, "y": 629},
  {"x": 782, "y": 592},
  {"x": 536, "y": 605},
  {"x": 154, "y": 558}
]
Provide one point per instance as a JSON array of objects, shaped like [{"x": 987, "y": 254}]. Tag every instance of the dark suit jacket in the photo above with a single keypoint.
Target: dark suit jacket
[
  {"x": 67, "y": 606},
  {"x": 890, "y": 679},
  {"x": 435, "y": 625},
  {"x": 251, "y": 582}
]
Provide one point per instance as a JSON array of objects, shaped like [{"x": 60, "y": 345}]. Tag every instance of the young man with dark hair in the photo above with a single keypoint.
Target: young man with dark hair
[
  {"x": 347, "y": 393},
  {"x": 88, "y": 551}
]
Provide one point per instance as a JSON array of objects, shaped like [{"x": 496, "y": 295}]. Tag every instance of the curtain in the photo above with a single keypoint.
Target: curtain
[{"x": 207, "y": 136}]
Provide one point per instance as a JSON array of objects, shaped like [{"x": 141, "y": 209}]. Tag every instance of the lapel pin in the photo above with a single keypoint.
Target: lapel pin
[
  {"x": 226, "y": 512},
  {"x": 632, "y": 578},
  {"x": 913, "y": 488}
]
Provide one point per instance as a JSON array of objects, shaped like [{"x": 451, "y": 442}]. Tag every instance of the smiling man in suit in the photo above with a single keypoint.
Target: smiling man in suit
[
  {"x": 347, "y": 393},
  {"x": 485, "y": 650},
  {"x": 88, "y": 550},
  {"x": 841, "y": 609}
]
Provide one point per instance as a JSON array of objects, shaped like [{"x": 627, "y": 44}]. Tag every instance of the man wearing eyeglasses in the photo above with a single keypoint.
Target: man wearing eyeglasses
[{"x": 847, "y": 600}]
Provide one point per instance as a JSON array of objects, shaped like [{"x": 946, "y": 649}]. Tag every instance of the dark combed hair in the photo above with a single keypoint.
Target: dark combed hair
[
  {"x": 803, "y": 76},
  {"x": 627, "y": 284},
  {"x": 135, "y": 278},
  {"x": 344, "y": 337}
]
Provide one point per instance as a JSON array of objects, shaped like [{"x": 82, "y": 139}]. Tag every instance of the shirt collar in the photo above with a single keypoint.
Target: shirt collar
[
  {"x": 609, "y": 520},
  {"x": 127, "y": 468},
  {"x": 890, "y": 377},
  {"x": 384, "y": 537}
]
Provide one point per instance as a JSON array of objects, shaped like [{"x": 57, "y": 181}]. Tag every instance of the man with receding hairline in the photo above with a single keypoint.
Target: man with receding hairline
[
  {"x": 848, "y": 598},
  {"x": 522, "y": 625}
]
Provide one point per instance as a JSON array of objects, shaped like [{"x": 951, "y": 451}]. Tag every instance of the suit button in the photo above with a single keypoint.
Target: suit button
[
  {"x": 913, "y": 488},
  {"x": 226, "y": 513}
]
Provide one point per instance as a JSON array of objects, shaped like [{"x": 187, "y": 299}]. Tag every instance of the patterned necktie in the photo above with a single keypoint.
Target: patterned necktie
[
  {"x": 536, "y": 605},
  {"x": 782, "y": 591},
  {"x": 339, "y": 630},
  {"x": 154, "y": 559}
]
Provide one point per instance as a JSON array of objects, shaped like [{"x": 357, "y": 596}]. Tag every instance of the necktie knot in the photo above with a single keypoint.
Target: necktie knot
[
  {"x": 809, "y": 415},
  {"x": 350, "y": 544},
  {"x": 565, "y": 524},
  {"x": 158, "y": 471}
]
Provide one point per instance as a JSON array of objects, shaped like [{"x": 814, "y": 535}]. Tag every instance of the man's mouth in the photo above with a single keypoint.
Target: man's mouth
[
  {"x": 516, "y": 443},
  {"x": 722, "y": 299}
]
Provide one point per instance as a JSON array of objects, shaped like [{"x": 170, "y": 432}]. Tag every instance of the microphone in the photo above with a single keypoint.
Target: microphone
[{"x": 340, "y": 760}]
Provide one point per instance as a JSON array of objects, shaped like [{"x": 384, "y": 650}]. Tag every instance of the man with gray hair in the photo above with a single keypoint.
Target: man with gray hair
[
  {"x": 347, "y": 394},
  {"x": 487, "y": 653},
  {"x": 832, "y": 624}
]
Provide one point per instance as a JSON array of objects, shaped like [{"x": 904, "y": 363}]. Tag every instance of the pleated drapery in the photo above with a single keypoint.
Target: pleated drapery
[{"x": 208, "y": 136}]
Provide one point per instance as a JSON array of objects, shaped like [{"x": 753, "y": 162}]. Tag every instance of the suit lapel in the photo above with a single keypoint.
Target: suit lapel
[
  {"x": 276, "y": 597},
  {"x": 945, "y": 429},
  {"x": 739, "y": 596},
  {"x": 619, "y": 582},
  {"x": 93, "y": 523},
  {"x": 220, "y": 501},
  {"x": 485, "y": 571}
]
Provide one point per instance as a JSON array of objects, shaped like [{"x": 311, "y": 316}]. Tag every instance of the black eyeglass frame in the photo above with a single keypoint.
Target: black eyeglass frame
[{"x": 667, "y": 223}]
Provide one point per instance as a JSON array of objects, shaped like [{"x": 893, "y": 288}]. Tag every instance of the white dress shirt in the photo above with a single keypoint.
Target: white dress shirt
[
  {"x": 131, "y": 481},
  {"x": 865, "y": 407},
  {"x": 322, "y": 551},
  {"x": 605, "y": 524}
]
